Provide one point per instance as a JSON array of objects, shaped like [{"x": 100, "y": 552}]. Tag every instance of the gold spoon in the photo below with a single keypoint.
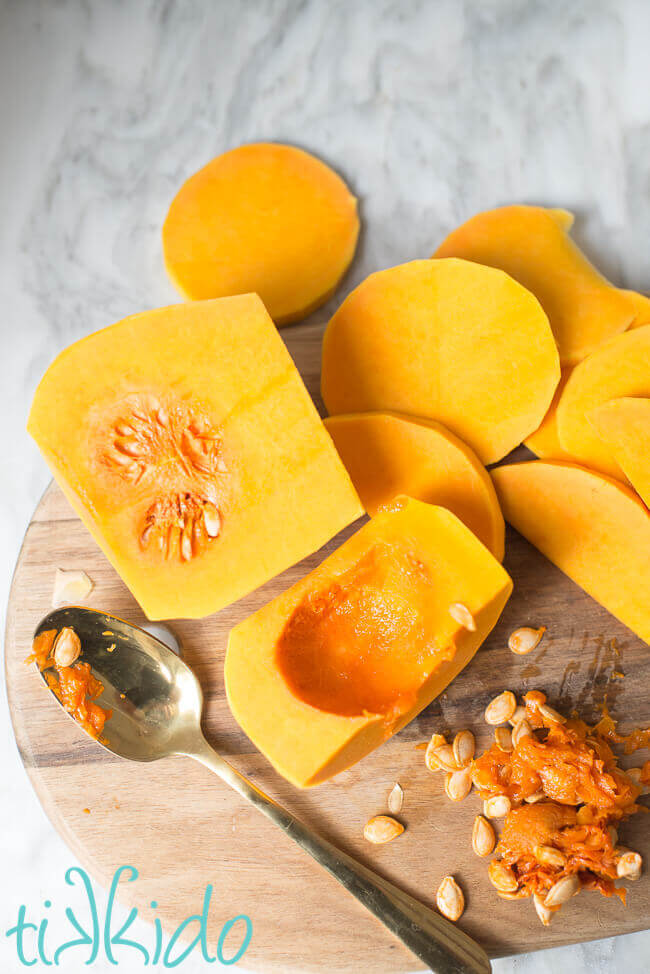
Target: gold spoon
[{"x": 157, "y": 704}]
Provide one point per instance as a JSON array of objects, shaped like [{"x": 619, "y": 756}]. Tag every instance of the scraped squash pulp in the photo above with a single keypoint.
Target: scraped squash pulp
[
  {"x": 447, "y": 340},
  {"x": 350, "y": 654},
  {"x": 189, "y": 446}
]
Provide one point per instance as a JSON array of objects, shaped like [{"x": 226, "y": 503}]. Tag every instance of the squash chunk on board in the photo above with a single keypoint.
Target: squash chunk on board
[
  {"x": 447, "y": 340},
  {"x": 621, "y": 368},
  {"x": 387, "y": 454},
  {"x": 330, "y": 669},
  {"x": 594, "y": 528},
  {"x": 266, "y": 218},
  {"x": 533, "y": 245},
  {"x": 187, "y": 443},
  {"x": 624, "y": 424}
]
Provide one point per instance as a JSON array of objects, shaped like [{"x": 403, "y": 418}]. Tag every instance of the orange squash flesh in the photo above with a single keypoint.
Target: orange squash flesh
[
  {"x": 187, "y": 443},
  {"x": 621, "y": 368},
  {"x": 533, "y": 245},
  {"x": 595, "y": 529},
  {"x": 641, "y": 303},
  {"x": 387, "y": 454},
  {"x": 266, "y": 218},
  {"x": 624, "y": 425},
  {"x": 545, "y": 441},
  {"x": 446, "y": 340},
  {"x": 327, "y": 671}
]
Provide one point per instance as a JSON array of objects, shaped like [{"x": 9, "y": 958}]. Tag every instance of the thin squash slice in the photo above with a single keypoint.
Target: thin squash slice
[
  {"x": 624, "y": 425},
  {"x": 447, "y": 340},
  {"x": 641, "y": 304},
  {"x": 267, "y": 218},
  {"x": 545, "y": 441},
  {"x": 533, "y": 245},
  {"x": 387, "y": 454},
  {"x": 594, "y": 528},
  {"x": 187, "y": 443},
  {"x": 621, "y": 368},
  {"x": 331, "y": 668}
]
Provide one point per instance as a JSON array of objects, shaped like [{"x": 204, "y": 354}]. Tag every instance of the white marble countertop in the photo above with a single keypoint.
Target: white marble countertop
[{"x": 432, "y": 109}]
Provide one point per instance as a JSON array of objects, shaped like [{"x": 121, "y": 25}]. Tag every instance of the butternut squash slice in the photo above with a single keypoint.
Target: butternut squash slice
[
  {"x": 620, "y": 368},
  {"x": 545, "y": 441},
  {"x": 641, "y": 304},
  {"x": 533, "y": 245},
  {"x": 267, "y": 218},
  {"x": 446, "y": 340},
  {"x": 327, "y": 671},
  {"x": 387, "y": 454},
  {"x": 187, "y": 443},
  {"x": 624, "y": 425},
  {"x": 595, "y": 529}
]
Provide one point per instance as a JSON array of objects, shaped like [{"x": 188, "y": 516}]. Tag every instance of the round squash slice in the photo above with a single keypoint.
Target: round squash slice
[
  {"x": 620, "y": 368},
  {"x": 387, "y": 454},
  {"x": 266, "y": 218},
  {"x": 533, "y": 245},
  {"x": 448, "y": 340}
]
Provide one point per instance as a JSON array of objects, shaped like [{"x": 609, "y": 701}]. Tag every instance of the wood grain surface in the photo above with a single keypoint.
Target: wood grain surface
[{"x": 182, "y": 828}]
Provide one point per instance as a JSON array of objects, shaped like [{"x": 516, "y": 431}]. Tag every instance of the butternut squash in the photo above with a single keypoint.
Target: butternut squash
[
  {"x": 641, "y": 304},
  {"x": 387, "y": 454},
  {"x": 447, "y": 340},
  {"x": 595, "y": 529},
  {"x": 187, "y": 443},
  {"x": 267, "y": 218},
  {"x": 330, "y": 669},
  {"x": 620, "y": 368},
  {"x": 624, "y": 425},
  {"x": 545, "y": 441},
  {"x": 533, "y": 245}
]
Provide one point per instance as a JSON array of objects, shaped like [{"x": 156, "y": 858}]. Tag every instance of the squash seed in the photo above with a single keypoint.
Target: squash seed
[
  {"x": 381, "y": 829},
  {"x": 562, "y": 891},
  {"x": 524, "y": 640},
  {"x": 542, "y": 910},
  {"x": 502, "y": 877},
  {"x": 521, "y": 730},
  {"x": 67, "y": 647},
  {"x": 395, "y": 799},
  {"x": 483, "y": 837},
  {"x": 549, "y": 715},
  {"x": 535, "y": 797},
  {"x": 437, "y": 740},
  {"x": 503, "y": 738},
  {"x": 464, "y": 747},
  {"x": 449, "y": 899},
  {"x": 444, "y": 755},
  {"x": 501, "y": 709},
  {"x": 496, "y": 806},
  {"x": 549, "y": 856},
  {"x": 519, "y": 714},
  {"x": 458, "y": 784},
  {"x": 461, "y": 614},
  {"x": 628, "y": 865},
  {"x": 635, "y": 775}
]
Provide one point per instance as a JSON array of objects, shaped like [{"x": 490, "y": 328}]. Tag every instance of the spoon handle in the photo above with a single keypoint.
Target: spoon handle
[{"x": 440, "y": 945}]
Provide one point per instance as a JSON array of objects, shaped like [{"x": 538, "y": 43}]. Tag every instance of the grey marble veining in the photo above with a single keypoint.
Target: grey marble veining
[{"x": 432, "y": 109}]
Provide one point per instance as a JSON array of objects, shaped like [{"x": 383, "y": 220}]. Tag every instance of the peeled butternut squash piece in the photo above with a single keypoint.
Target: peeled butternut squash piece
[
  {"x": 595, "y": 529},
  {"x": 545, "y": 441},
  {"x": 620, "y": 368},
  {"x": 624, "y": 425},
  {"x": 641, "y": 303},
  {"x": 327, "y": 671},
  {"x": 188, "y": 445},
  {"x": 266, "y": 218},
  {"x": 533, "y": 245},
  {"x": 446, "y": 340},
  {"x": 387, "y": 454}
]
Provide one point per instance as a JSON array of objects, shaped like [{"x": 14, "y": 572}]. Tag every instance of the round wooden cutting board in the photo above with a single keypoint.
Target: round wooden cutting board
[{"x": 182, "y": 828}]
